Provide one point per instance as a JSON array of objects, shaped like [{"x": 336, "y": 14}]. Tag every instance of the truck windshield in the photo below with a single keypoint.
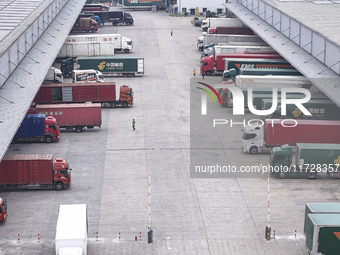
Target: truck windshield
[
  {"x": 247, "y": 136},
  {"x": 63, "y": 172}
]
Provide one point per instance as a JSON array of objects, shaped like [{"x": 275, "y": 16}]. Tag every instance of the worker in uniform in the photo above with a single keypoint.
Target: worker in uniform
[
  {"x": 133, "y": 124},
  {"x": 194, "y": 72}
]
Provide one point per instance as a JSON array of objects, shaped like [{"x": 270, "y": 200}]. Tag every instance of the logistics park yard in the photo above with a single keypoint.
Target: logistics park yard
[{"x": 111, "y": 168}]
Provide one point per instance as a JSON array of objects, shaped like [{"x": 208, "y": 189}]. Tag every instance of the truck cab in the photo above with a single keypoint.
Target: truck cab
[
  {"x": 67, "y": 67},
  {"x": 281, "y": 160},
  {"x": 253, "y": 140},
  {"x": 51, "y": 129},
  {"x": 126, "y": 96},
  {"x": 3, "y": 210},
  {"x": 207, "y": 65},
  {"x": 61, "y": 174},
  {"x": 127, "y": 44},
  {"x": 128, "y": 18},
  {"x": 205, "y": 24},
  {"x": 200, "y": 41}
]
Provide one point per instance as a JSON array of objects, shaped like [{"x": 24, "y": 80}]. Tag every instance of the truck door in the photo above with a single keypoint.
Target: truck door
[{"x": 67, "y": 94}]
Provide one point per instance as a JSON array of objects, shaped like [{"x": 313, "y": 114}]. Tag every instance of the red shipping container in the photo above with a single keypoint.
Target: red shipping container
[
  {"x": 220, "y": 62},
  {"x": 70, "y": 115},
  {"x": 234, "y": 30},
  {"x": 76, "y": 93},
  {"x": 24, "y": 169},
  {"x": 306, "y": 131}
]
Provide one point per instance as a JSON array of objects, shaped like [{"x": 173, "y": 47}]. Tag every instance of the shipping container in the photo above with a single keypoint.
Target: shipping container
[
  {"x": 103, "y": 92},
  {"x": 318, "y": 208},
  {"x": 323, "y": 234},
  {"x": 233, "y": 49},
  {"x": 34, "y": 171},
  {"x": 273, "y": 133},
  {"x": 231, "y": 30},
  {"x": 72, "y": 230},
  {"x": 126, "y": 66},
  {"x": 271, "y": 71},
  {"x": 215, "y": 39},
  {"x": 73, "y": 116},
  {"x": 86, "y": 49},
  {"x": 221, "y": 22}
]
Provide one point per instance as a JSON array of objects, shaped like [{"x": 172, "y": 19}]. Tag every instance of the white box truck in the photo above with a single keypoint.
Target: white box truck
[
  {"x": 54, "y": 75},
  {"x": 120, "y": 42},
  {"x": 71, "y": 234},
  {"x": 86, "y": 49}
]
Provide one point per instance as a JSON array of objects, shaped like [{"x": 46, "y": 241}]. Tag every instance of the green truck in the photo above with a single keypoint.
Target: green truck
[
  {"x": 321, "y": 109},
  {"x": 323, "y": 234},
  {"x": 122, "y": 65},
  {"x": 310, "y": 159},
  {"x": 318, "y": 208},
  {"x": 269, "y": 71}
]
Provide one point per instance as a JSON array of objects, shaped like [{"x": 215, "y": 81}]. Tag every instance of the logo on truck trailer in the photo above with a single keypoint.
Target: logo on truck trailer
[
  {"x": 238, "y": 100},
  {"x": 111, "y": 66}
]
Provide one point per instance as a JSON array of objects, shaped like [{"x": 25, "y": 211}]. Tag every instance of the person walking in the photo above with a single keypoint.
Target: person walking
[
  {"x": 194, "y": 72},
  {"x": 133, "y": 124},
  {"x": 171, "y": 32}
]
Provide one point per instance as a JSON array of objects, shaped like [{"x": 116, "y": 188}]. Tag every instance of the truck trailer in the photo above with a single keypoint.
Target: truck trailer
[
  {"x": 38, "y": 128},
  {"x": 54, "y": 75},
  {"x": 73, "y": 116},
  {"x": 34, "y": 171},
  {"x": 104, "y": 93},
  {"x": 122, "y": 65},
  {"x": 120, "y": 43},
  {"x": 231, "y": 31},
  {"x": 221, "y": 22},
  {"x": 114, "y": 17},
  {"x": 95, "y": 7},
  {"x": 307, "y": 160},
  {"x": 85, "y": 25},
  {"x": 214, "y": 65},
  {"x": 3, "y": 210},
  {"x": 72, "y": 230},
  {"x": 232, "y": 49},
  {"x": 84, "y": 76},
  {"x": 323, "y": 234},
  {"x": 261, "y": 139},
  {"x": 238, "y": 63},
  {"x": 269, "y": 71},
  {"x": 86, "y": 49},
  {"x": 208, "y": 39}
]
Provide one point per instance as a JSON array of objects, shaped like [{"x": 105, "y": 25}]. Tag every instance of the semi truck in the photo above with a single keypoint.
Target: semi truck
[
  {"x": 54, "y": 75},
  {"x": 120, "y": 43},
  {"x": 307, "y": 160},
  {"x": 3, "y": 210},
  {"x": 322, "y": 235},
  {"x": 237, "y": 63},
  {"x": 114, "y": 17},
  {"x": 231, "y": 30},
  {"x": 232, "y": 49},
  {"x": 214, "y": 65},
  {"x": 85, "y": 25},
  {"x": 34, "y": 171},
  {"x": 114, "y": 66},
  {"x": 38, "y": 128},
  {"x": 71, "y": 230},
  {"x": 319, "y": 108},
  {"x": 104, "y": 93},
  {"x": 220, "y": 22},
  {"x": 85, "y": 49},
  {"x": 83, "y": 76},
  {"x": 209, "y": 39},
  {"x": 261, "y": 139},
  {"x": 73, "y": 116},
  {"x": 269, "y": 71}
]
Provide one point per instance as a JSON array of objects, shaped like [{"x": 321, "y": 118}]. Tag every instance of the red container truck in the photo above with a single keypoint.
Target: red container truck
[
  {"x": 3, "y": 210},
  {"x": 214, "y": 65},
  {"x": 231, "y": 30},
  {"x": 34, "y": 171},
  {"x": 73, "y": 116},
  {"x": 275, "y": 132},
  {"x": 85, "y": 25},
  {"x": 103, "y": 92}
]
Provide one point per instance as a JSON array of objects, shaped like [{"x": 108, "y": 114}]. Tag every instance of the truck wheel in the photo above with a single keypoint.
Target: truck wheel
[
  {"x": 48, "y": 139},
  {"x": 58, "y": 186},
  {"x": 253, "y": 150},
  {"x": 282, "y": 175},
  {"x": 90, "y": 127},
  {"x": 79, "y": 129},
  {"x": 311, "y": 175},
  {"x": 126, "y": 51},
  {"x": 112, "y": 105},
  {"x": 125, "y": 104}
]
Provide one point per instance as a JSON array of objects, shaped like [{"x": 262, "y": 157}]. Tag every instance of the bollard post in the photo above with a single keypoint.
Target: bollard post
[
  {"x": 135, "y": 238},
  {"x": 140, "y": 235},
  {"x": 97, "y": 236},
  {"x": 18, "y": 238},
  {"x": 274, "y": 233},
  {"x": 295, "y": 233},
  {"x": 119, "y": 236},
  {"x": 38, "y": 238}
]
